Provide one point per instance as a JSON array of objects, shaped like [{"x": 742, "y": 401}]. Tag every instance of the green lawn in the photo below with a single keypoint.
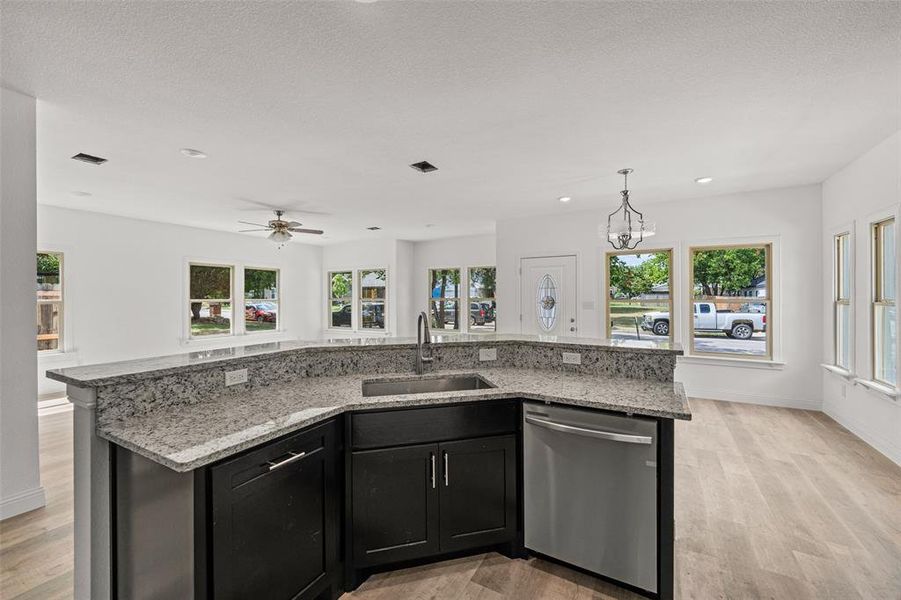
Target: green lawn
[{"x": 623, "y": 313}]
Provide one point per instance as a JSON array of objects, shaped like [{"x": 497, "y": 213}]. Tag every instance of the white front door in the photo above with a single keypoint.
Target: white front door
[{"x": 548, "y": 296}]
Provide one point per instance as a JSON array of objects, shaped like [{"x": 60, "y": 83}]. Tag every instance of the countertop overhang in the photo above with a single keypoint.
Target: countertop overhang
[{"x": 191, "y": 436}]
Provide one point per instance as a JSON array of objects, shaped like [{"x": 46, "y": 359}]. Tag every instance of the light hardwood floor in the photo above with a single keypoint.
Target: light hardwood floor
[{"x": 770, "y": 503}]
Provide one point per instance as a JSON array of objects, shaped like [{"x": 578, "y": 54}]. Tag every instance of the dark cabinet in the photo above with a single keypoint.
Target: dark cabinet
[
  {"x": 411, "y": 502},
  {"x": 274, "y": 528},
  {"x": 477, "y": 501},
  {"x": 395, "y": 504}
]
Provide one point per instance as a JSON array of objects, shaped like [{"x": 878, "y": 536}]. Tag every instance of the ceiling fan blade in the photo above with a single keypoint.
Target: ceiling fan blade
[
  {"x": 293, "y": 224},
  {"x": 313, "y": 231},
  {"x": 247, "y": 230},
  {"x": 254, "y": 224}
]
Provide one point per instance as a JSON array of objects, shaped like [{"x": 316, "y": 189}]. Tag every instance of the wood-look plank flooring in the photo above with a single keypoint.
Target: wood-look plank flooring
[{"x": 770, "y": 503}]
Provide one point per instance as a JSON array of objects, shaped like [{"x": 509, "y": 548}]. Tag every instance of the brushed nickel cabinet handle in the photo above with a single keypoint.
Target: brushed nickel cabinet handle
[
  {"x": 432, "y": 456},
  {"x": 295, "y": 456},
  {"x": 446, "y": 472}
]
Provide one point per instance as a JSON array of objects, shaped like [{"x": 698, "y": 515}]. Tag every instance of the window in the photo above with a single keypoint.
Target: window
[
  {"x": 373, "y": 285},
  {"x": 732, "y": 308},
  {"x": 639, "y": 295},
  {"x": 444, "y": 299},
  {"x": 341, "y": 299},
  {"x": 260, "y": 299},
  {"x": 49, "y": 301},
  {"x": 210, "y": 302},
  {"x": 841, "y": 301},
  {"x": 885, "y": 312},
  {"x": 482, "y": 305}
]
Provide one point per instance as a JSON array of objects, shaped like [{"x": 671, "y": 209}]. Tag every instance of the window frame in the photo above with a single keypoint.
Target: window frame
[
  {"x": 471, "y": 299},
  {"x": 62, "y": 338},
  {"x": 330, "y": 299},
  {"x": 770, "y": 300},
  {"x": 838, "y": 300},
  {"x": 232, "y": 280},
  {"x": 608, "y": 328},
  {"x": 278, "y": 300},
  {"x": 877, "y": 292},
  {"x": 464, "y": 322},
  {"x": 358, "y": 297}
]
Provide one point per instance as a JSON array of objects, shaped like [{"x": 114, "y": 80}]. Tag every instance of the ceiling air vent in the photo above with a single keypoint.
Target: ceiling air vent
[
  {"x": 374, "y": 228},
  {"x": 93, "y": 160},
  {"x": 424, "y": 167}
]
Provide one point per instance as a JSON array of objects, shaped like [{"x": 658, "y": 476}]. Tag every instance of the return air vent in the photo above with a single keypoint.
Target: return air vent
[
  {"x": 374, "y": 228},
  {"x": 424, "y": 167},
  {"x": 92, "y": 160}
]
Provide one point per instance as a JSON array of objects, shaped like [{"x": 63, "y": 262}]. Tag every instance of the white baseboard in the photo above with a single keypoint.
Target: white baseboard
[
  {"x": 764, "y": 399},
  {"x": 22, "y": 502},
  {"x": 885, "y": 446}
]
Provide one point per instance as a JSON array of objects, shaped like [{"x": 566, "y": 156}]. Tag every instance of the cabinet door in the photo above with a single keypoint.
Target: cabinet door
[
  {"x": 395, "y": 504},
  {"x": 274, "y": 519},
  {"x": 478, "y": 492}
]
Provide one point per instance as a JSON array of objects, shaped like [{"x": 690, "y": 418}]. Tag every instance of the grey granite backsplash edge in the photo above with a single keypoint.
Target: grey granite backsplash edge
[{"x": 238, "y": 357}]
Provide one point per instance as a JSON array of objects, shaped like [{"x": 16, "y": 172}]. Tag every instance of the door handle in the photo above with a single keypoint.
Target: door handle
[
  {"x": 432, "y": 457},
  {"x": 595, "y": 433},
  {"x": 294, "y": 456},
  {"x": 446, "y": 472}
]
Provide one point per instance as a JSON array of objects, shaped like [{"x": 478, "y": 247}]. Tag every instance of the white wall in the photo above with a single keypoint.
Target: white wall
[
  {"x": 125, "y": 287},
  {"x": 788, "y": 217},
  {"x": 867, "y": 190},
  {"x": 20, "y": 483}
]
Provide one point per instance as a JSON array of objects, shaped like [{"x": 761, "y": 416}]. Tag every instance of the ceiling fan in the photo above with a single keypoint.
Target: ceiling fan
[{"x": 281, "y": 230}]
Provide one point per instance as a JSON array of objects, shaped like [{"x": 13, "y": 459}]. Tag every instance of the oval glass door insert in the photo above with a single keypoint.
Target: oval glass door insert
[{"x": 546, "y": 302}]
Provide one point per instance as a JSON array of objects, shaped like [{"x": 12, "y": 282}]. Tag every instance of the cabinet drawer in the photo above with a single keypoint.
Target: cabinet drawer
[{"x": 432, "y": 424}]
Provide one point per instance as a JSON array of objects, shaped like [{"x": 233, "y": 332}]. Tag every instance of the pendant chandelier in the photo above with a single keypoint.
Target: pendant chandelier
[{"x": 625, "y": 226}]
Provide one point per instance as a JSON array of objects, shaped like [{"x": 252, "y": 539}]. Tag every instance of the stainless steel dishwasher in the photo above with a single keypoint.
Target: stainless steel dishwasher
[{"x": 590, "y": 482}]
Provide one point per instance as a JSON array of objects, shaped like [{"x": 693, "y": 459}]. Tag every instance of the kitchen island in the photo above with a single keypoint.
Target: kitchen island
[{"x": 169, "y": 429}]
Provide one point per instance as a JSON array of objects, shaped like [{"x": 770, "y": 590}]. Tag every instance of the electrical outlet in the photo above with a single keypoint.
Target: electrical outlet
[
  {"x": 572, "y": 358},
  {"x": 487, "y": 354},
  {"x": 236, "y": 377},
  {"x": 844, "y": 391}
]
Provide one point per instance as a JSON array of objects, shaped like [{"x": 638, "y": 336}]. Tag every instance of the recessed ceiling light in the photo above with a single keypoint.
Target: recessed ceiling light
[
  {"x": 564, "y": 198},
  {"x": 703, "y": 179},
  {"x": 191, "y": 153},
  {"x": 88, "y": 158},
  {"x": 429, "y": 224},
  {"x": 374, "y": 228},
  {"x": 80, "y": 194}
]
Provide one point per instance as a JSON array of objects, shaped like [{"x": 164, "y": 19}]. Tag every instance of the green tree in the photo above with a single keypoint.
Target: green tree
[
  {"x": 726, "y": 271},
  {"x": 341, "y": 285},
  {"x": 257, "y": 282},
  {"x": 631, "y": 281},
  {"x": 48, "y": 268},
  {"x": 208, "y": 282},
  {"x": 483, "y": 282}
]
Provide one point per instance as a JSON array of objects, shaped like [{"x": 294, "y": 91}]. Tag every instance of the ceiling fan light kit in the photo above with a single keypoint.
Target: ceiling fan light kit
[{"x": 280, "y": 229}]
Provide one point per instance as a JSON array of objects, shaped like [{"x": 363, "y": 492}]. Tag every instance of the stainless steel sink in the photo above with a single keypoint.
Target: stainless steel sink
[{"x": 420, "y": 385}]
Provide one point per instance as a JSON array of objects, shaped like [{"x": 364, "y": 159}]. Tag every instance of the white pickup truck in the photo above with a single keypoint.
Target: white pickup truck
[{"x": 738, "y": 325}]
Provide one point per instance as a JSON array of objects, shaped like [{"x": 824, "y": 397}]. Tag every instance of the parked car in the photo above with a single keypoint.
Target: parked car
[
  {"x": 342, "y": 316},
  {"x": 261, "y": 312},
  {"x": 752, "y": 307},
  {"x": 478, "y": 314},
  {"x": 489, "y": 311},
  {"x": 737, "y": 325}
]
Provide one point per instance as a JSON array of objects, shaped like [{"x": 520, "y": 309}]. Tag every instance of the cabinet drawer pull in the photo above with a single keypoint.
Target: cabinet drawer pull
[
  {"x": 295, "y": 456},
  {"x": 446, "y": 472},
  {"x": 432, "y": 456}
]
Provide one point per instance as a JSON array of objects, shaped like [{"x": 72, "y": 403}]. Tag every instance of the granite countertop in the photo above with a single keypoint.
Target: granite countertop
[
  {"x": 189, "y": 436},
  {"x": 157, "y": 366}
]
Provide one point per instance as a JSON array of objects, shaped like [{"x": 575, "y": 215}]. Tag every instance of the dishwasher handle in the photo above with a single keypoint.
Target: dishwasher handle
[{"x": 595, "y": 433}]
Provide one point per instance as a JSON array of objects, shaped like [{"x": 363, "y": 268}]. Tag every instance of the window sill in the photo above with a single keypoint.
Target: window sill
[
  {"x": 52, "y": 355},
  {"x": 232, "y": 339},
  {"x": 839, "y": 371},
  {"x": 886, "y": 391},
  {"x": 747, "y": 363}
]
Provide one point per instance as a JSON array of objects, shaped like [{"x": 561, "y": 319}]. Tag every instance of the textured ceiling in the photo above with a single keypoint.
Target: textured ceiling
[{"x": 321, "y": 106}]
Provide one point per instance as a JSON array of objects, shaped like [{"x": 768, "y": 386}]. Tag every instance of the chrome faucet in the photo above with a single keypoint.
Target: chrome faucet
[{"x": 423, "y": 339}]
